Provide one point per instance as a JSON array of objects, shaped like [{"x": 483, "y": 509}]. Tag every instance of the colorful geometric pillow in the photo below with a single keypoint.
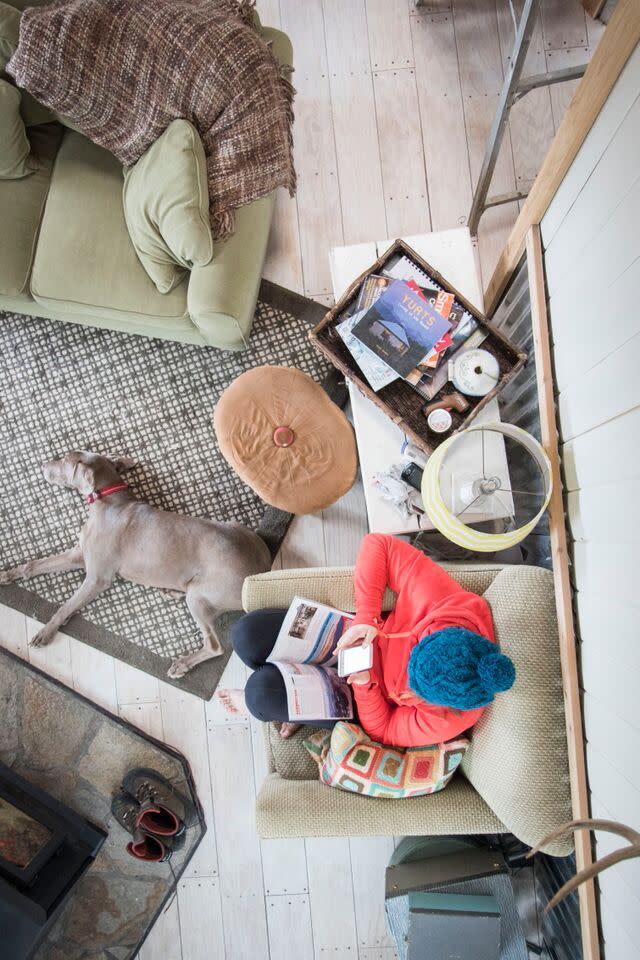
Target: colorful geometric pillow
[{"x": 347, "y": 758}]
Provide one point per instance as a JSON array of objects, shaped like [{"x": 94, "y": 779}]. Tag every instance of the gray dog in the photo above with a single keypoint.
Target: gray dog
[{"x": 202, "y": 560}]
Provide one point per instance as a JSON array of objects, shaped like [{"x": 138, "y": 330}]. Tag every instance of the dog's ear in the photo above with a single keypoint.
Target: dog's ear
[
  {"x": 83, "y": 477},
  {"x": 122, "y": 464}
]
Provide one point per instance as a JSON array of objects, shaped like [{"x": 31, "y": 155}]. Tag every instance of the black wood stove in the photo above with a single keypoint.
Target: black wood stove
[{"x": 44, "y": 849}]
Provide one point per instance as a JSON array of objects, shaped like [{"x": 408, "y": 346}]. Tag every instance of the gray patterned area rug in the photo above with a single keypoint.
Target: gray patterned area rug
[{"x": 64, "y": 386}]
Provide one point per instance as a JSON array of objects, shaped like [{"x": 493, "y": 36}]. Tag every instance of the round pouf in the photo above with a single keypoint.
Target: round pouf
[{"x": 284, "y": 437}]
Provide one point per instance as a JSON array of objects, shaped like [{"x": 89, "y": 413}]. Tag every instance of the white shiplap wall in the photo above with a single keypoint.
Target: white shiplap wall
[{"x": 591, "y": 236}]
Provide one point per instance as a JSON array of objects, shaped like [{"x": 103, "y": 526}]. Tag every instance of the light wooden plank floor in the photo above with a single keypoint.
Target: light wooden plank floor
[
  {"x": 240, "y": 898},
  {"x": 374, "y": 78},
  {"x": 393, "y": 111}
]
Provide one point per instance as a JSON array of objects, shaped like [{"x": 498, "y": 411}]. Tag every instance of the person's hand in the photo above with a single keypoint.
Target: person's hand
[
  {"x": 359, "y": 678},
  {"x": 360, "y": 635}
]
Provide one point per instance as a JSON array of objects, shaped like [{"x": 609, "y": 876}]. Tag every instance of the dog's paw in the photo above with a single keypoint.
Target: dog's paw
[
  {"x": 180, "y": 667},
  {"x": 41, "y": 638},
  {"x": 6, "y": 576}
]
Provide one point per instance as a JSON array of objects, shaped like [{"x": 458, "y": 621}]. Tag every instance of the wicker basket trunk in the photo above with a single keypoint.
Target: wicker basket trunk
[{"x": 398, "y": 400}]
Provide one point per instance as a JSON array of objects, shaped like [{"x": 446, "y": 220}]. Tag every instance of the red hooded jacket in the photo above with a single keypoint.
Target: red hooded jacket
[{"x": 428, "y": 600}]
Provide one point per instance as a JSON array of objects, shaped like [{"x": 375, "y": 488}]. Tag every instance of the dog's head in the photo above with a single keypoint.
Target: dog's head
[{"x": 85, "y": 471}]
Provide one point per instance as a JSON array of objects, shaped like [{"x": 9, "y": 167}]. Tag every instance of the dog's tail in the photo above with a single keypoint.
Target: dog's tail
[{"x": 273, "y": 528}]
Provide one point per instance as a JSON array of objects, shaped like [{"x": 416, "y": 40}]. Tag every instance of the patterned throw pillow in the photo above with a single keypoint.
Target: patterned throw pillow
[{"x": 348, "y": 759}]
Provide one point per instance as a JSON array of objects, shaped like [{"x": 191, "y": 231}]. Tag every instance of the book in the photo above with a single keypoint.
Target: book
[
  {"x": 426, "y": 378},
  {"x": 376, "y": 371},
  {"x": 372, "y": 287},
  {"x": 443, "y": 303},
  {"x": 303, "y": 654},
  {"x": 402, "y": 268},
  {"x": 405, "y": 269},
  {"x": 401, "y": 327}
]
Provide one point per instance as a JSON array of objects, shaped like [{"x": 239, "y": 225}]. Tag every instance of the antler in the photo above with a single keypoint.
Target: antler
[
  {"x": 611, "y": 826},
  {"x": 626, "y": 853}
]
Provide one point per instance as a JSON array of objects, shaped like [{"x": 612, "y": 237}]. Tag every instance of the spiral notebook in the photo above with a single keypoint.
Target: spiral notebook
[{"x": 406, "y": 269}]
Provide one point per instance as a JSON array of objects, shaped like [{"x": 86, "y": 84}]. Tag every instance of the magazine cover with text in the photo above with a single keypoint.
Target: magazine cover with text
[
  {"x": 401, "y": 327},
  {"x": 303, "y": 653}
]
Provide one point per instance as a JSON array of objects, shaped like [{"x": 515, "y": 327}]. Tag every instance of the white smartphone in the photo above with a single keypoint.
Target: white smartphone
[{"x": 354, "y": 659}]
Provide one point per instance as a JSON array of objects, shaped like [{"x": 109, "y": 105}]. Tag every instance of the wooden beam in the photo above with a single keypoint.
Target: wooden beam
[
  {"x": 616, "y": 46},
  {"x": 592, "y": 7},
  {"x": 562, "y": 585}
]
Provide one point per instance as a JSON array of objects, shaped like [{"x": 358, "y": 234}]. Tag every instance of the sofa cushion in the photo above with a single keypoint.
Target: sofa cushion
[
  {"x": 85, "y": 261},
  {"x": 308, "y": 808},
  {"x": 34, "y": 113},
  {"x": 517, "y": 760},
  {"x": 289, "y": 758},
  {"x": 9, "y": 33},
  {"x": 166, "y": 206},
  {"x": 21, "y": 205},
  {"x": 31, "y": 111},
  {"x": 14, "y": 144}
]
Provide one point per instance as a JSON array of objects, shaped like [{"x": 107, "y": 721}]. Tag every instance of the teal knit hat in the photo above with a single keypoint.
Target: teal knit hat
[{"x": 457, "y": 668}]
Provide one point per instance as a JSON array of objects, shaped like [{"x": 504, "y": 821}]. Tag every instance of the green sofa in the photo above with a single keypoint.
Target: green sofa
[{"x": 65, "y": 252}]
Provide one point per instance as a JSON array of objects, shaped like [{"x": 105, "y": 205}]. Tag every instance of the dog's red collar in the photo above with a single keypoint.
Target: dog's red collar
[{"x": 105, "y": 491}]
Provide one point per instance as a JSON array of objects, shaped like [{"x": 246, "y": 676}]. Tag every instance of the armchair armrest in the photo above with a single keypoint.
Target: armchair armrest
[
  {"x": 308, "y": 808},
  {"x": 221, "y": 297}
]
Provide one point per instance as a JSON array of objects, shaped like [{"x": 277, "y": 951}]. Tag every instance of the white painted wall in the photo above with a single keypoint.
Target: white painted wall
[{"x": 591, "y": 235}]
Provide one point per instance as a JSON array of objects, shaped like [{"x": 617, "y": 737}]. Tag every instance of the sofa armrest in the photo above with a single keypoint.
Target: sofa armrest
[
  {"x": 279, "y": 43},
  {"x": 222, "y": 296},
  {"x": 308, "y": 808}
]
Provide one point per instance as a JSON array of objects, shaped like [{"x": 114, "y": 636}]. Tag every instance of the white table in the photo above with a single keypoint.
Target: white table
[{"x": 379, "y": 440}]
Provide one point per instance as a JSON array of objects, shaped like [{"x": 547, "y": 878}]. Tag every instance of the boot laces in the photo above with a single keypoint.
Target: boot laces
[{"x": 149, "y": 791}]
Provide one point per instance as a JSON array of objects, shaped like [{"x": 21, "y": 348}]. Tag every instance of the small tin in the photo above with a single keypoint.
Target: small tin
[{"x": 439, "y": 421}]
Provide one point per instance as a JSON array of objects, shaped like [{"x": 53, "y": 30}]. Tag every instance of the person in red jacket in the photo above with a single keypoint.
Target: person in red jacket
[{"x": 435, "y": 661}]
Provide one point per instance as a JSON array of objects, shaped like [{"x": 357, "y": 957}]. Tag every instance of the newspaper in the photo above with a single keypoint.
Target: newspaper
[{"x": 303, "y": 653}]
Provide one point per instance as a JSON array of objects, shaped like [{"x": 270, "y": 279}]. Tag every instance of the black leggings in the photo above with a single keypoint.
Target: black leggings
[{"x": 253, "y": 637}]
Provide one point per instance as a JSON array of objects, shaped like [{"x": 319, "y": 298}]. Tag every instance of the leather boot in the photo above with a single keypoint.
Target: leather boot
[
  {"x": 145, "y": 846},
  {"x": 155, "y": 792}
]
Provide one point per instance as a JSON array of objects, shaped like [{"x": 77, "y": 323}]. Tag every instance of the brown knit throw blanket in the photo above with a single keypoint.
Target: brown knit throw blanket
[{"x": 122, "y": 70}]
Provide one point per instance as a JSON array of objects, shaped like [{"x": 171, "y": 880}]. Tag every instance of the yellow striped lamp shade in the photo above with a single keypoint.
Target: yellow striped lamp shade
[{"x": 451, "y": 526}]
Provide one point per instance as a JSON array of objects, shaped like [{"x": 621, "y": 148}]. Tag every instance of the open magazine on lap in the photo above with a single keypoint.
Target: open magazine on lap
[
  {"x": 315, "y": 693},
  {"x": 303, "y": 653}
]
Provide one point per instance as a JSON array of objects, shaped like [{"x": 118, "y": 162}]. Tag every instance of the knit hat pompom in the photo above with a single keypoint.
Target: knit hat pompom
[
  {"x": 457, "y": 668},
  {"x": 496, "y": 672}
]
